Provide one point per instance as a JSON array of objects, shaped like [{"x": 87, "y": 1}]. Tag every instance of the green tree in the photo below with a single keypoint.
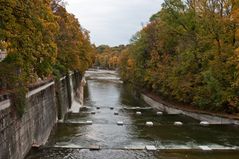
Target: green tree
[{"x": 187, "y": 53}]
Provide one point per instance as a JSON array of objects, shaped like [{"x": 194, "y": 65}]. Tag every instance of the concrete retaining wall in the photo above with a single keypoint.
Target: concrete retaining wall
[
  {"x": 18, "y": 135},
  {"x": 63, "y": 97},
  {"x": 212, "y": 119}
]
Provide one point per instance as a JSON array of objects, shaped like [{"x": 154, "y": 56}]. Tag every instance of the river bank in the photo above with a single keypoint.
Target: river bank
[{"x": 201, "y": 115}]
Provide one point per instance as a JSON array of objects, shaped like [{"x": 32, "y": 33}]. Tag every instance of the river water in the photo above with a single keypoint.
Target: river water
[{"x": 106, "y": 95}]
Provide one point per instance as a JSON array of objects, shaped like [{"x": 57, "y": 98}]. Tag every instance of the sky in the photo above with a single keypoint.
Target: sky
[{"x": 113, "y": 22}]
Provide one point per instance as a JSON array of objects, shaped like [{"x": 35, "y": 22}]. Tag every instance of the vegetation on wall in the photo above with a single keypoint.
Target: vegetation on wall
[
  {"x": 41, "y": 39},
  {"x": 189, "y": 53}
]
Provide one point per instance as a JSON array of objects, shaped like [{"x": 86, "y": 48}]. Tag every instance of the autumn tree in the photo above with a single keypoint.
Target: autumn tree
[
  {"x": 39, "y": 36},
  {"x": 27, "y": 30},
  {"x": 187, "y": 53},
  {"x": 75, "y": 51},
  {"x": 108, "y": 57},
  {"x": 235, "y": 17}
]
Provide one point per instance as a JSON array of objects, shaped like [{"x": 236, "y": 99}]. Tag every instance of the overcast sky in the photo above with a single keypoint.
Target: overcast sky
[{"x": 113, "y": 22}]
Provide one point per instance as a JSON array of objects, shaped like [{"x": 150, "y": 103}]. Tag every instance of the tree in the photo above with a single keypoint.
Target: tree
[
  {"x": 187, "y": 53},
  {"x": 74, "y": 47},
  {"x": 28, "y": 27},
  {"x": 39, "y": 35},
  {"x": 108, "y": 57}
]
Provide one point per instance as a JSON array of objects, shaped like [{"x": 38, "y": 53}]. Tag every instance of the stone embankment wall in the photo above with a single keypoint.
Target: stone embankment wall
[
  {"x": 45, "y": 106},
  {"x": 201, "y": 116}
]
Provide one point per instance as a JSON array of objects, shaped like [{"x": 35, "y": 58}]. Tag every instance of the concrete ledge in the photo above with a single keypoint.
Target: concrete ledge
[
  {"x": 35, "y": 91},
  {"x": 212, "y": 119}
]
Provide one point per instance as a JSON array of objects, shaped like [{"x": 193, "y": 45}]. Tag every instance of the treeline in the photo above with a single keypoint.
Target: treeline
[
  {"x": 108, "y": 57},
  {"x": 189, "y": 52},
  {"x": 42, "y": 40}
]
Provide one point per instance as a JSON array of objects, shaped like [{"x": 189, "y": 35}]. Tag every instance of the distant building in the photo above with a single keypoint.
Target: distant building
[{"x": 3, "y": 54}]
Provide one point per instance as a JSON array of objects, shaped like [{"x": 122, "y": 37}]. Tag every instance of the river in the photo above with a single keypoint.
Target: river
[{"x": 108, "y": 101}]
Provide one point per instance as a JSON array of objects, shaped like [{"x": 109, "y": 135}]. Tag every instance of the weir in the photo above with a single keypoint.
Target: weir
[
  {"x": 112, "y": 123},
  {"x": 109, "y": 126}
]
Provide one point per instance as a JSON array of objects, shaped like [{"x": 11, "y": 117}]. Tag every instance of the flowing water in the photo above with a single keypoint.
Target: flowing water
[{"x": 106, "y": 95}]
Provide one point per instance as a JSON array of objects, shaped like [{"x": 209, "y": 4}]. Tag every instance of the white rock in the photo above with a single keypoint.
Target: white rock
[
  {"x": 150, "y": 148},
  {"x": 89, "y": 122},
  {"x": 159, "y": 113},
  {"x": 149, "y": 123},
  {"x": 205, "y": 148},
  {"x": 35, "y": 146},
  {"x": 138, "y": 113},
  {"x": 204, "y": 123},
  {"x": 94, "y": 147},
  {"x": 120, "y": 123},
  {"x": 178, "y": 123}
]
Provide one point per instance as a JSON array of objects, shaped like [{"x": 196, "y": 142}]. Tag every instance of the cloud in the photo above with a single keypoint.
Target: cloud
[{"x": 113, "y": 22}]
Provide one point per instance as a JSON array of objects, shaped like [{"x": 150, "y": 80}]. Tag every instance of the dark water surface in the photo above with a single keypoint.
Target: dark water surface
[{"x": 73, "y": 138}]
